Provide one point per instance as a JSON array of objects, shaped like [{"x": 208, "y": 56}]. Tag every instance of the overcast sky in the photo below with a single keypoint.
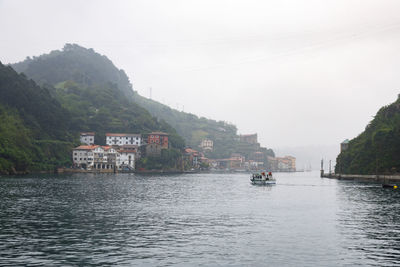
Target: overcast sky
[{"x": 296, "y": 72}]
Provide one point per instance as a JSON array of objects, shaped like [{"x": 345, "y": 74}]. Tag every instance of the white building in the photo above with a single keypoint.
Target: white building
[
  {"x": 80, "y": 155},
  {"x": 87, "y": 138},
  {"x": 207, "y": 144},
  {"x": 120, "y": 139},
  {"x": 95, "y": 157},
  {"x": 126, "y": 159}
]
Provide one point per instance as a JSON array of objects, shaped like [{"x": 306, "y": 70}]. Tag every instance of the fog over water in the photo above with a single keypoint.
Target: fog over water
[{"x": 296, "y": 72}]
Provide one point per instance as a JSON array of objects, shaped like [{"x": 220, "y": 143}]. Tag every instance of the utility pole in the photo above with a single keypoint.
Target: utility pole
[
  {"x": 330, "y": 169},
  {"x": 322, "y": 168}
]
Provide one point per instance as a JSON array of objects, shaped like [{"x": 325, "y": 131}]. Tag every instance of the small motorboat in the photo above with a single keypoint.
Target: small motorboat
[{"x": 262, "y": 178}]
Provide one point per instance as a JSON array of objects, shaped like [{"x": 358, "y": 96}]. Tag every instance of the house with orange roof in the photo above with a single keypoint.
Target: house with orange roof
[
  {"x": 194, "y": 157},
  {"x": 159, "y": 138},
  {"x": 103, "y": 158}
]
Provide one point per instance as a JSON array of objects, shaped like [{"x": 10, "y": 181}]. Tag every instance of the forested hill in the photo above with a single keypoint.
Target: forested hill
[
  {"x": 377, "y": 149},
  {"x": 39, "y": 125},
  {"x": 95, "y": 93},
  {"x": 84, "y": 67},
  {"x": 33, "y": 126}
]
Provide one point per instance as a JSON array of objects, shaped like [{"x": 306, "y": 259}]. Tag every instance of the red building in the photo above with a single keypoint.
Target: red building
[{"x": 159, "y": 138}]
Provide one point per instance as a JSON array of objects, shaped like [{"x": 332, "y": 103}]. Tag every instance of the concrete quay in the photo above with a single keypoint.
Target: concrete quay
[{"x": 360, "y": 177}]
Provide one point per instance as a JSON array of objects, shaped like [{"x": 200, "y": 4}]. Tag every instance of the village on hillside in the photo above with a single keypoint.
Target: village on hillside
[{"x": 123, "y": 150}]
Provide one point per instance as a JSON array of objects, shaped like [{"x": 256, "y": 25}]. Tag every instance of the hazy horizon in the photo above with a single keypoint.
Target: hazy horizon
[{"x": 298, "y": 73}]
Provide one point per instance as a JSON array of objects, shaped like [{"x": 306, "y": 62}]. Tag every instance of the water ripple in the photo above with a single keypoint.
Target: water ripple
[{"x": 200, "y": 219}]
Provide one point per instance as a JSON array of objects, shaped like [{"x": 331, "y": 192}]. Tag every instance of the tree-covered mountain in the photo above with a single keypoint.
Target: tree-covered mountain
[
  {"x": 39, "y": 125},
  {"x": 96, "y": 93},
  {"x": 33, "y": 126},
  {"x": 84, "y": 66},
  {"x": 76, "y": 66},
  {"x": 377, "y": 149}
]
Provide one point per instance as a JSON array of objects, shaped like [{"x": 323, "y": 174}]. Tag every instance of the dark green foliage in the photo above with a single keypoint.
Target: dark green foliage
[
  {"x": 20, "y": 152},
  {"x": 169, "y": 160},
  {"x": 39, "y": 110},
  {"x": 377, "y": 149},
  {"x": 30, "y": 119}
]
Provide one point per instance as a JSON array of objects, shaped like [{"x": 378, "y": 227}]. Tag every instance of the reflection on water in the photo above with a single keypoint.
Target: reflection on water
[{"x": 198, "y": 219}]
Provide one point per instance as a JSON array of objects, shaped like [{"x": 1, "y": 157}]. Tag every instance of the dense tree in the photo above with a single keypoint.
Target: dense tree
[
  {"x": 33, "y": 126},
  {"x": 377, "y": 149}
]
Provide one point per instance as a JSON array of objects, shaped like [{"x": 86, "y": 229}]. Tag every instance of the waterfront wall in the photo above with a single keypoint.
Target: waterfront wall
[
  {"x": 70, "y": 170},
  {"x": 360, "y": 177}
]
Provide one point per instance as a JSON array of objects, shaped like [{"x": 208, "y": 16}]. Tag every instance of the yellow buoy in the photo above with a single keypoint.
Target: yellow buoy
[{"x": 395, "y": 187}]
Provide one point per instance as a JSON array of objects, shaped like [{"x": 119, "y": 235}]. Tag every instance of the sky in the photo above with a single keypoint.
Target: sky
[{"x": 298, "y": 72}]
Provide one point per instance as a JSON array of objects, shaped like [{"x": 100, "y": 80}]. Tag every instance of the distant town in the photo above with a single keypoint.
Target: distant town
[{"x": 123, "y": 150}]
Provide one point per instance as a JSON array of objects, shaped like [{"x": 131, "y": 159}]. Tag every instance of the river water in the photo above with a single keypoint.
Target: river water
[{"x": 196, "y": 220}]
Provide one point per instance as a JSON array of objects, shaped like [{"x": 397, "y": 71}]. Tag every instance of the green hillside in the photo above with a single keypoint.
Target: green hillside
[
  {"x": 377, "y": 149},
  {"x": 33, "y": 126},
  {"x": 103, "y": 108},
  {"x": 78, "y": 67},
  {"x": 39, "y": 125}
]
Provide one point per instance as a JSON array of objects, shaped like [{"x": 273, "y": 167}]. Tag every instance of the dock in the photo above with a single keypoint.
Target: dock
[{"x": 361, "y": 177}]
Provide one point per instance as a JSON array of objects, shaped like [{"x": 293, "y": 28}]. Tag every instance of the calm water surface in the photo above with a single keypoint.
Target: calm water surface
[{"x": 197, "y": 219}]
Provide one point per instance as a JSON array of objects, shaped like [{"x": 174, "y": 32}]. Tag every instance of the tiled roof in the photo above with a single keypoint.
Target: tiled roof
[
  {"x": 159, "y": 133},
  {"x": 90, "y": 147},
  {"x": 189, "y": 150}
]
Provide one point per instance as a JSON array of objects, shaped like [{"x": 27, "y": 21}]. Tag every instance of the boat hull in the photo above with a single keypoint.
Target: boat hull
[{"x": 269, "y": 182}]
